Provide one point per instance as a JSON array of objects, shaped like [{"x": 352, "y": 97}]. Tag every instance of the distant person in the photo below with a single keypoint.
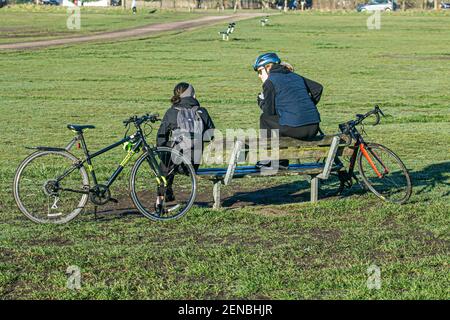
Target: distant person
[
  {"x": 293, "y": 5},
  {"x": 133, "y": 6},
  {"x": 288, "y": 101}
]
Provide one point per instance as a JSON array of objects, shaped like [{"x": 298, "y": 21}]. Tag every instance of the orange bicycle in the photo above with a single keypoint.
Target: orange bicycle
[{"x": 380, "y": 169}]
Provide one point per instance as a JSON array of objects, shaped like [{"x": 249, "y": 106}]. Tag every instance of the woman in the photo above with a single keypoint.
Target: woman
[
  {"x": 288, "y": 100},
  {"x": 185, "y": 126},
  {"x": 175, "y": 121}
]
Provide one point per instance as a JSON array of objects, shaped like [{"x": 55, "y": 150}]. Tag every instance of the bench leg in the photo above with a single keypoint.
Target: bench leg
[
  {"x": 216, "y": 194},
  {"x": 314, "y": 189}
]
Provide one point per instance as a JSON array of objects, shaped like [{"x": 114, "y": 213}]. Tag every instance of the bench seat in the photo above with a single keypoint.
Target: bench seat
[
  {"x": 243, "y": 171},
  {"x": 244, "y": 150}
]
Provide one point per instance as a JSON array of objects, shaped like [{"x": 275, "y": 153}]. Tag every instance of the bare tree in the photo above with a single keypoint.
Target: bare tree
[
  {"x": 436, "y": 5},
  {"x": 237, "y": 3},
  {"x": 265, "y": 4},
  {"x": 219, "y": 5},
  {"x": 316, "y": 4}
]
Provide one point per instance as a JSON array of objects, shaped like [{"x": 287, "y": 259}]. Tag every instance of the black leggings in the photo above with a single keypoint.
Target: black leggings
[
  {"x": 302, "y": 133},
  {"x": 166, "y": 165}
]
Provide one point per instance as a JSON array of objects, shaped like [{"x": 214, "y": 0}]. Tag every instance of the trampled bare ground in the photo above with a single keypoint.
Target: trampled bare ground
[{"x": 269, "y": 198}]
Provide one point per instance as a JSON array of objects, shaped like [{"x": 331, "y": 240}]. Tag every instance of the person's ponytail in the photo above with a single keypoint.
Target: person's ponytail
[
  {"x": 177, "y": 91},
  {"x": 175, "y": 99}
]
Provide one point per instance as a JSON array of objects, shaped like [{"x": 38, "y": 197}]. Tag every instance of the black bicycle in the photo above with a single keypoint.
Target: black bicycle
[
  {"x": 52, "y": 185},
  {"x": 381, "y": 170}
]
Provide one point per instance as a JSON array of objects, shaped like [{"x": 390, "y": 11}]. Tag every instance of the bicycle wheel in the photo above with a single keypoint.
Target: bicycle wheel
[
  {"x": 181, "y": 188},
  {"x": 394, "y": 182},
  {"x": 41, "y": 197}
]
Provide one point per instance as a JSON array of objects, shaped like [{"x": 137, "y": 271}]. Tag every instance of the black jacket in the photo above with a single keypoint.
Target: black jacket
[
  {"x": 169, "y": 122},
  {"x": 267, "y": 104}
]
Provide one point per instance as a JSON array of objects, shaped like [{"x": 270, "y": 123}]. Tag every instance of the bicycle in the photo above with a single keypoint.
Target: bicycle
[
  {"x": 381, "y": 170},
  {"x": 52, "y": 185}
]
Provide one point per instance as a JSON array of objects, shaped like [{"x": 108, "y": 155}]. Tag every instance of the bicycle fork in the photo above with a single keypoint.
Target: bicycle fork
[
  {"x": 366, "y": 155},
  {"x": 160, "y": 178}
]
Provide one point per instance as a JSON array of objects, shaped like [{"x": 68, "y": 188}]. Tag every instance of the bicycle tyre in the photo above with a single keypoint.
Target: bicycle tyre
[
  {"x": 137, "y": 198},
  {"x": 376, "y": 187},
  {"x": 19, "y": 181}
]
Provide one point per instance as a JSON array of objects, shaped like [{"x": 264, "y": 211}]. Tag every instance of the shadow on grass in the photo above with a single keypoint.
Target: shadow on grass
[
  {"x": 288, "y": 193},
  {"x": 431, "y": 177},
  {"x": 113, "y": 211},
  {"x": 424, "y": 182},
  {"x": 292, "y": 192}
]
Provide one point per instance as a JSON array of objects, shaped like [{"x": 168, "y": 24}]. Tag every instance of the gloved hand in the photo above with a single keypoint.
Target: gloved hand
[{"x": 260, "y": 99}]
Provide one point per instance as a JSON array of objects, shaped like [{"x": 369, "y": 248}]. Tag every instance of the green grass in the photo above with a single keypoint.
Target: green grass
[
  {"x": 23, "y": 23},
  {"x": 292, "y": 250}
]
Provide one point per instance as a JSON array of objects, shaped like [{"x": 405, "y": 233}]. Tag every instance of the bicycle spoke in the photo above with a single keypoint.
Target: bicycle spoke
[
  {"x": 41, "y": 196},
  {"x": 158, "y": 200},
  {"x": 394, "y": 184}
]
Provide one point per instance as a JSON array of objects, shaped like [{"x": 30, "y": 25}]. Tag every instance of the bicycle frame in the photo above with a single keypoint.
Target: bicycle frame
[
  {"x": 361, "y": 146},
  {"x": 138, "y": 143}
]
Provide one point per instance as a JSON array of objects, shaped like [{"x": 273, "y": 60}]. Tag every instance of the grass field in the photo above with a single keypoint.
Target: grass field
[
  {"x": 292, "y": 250},
  {"x": 30, "y": 22}
]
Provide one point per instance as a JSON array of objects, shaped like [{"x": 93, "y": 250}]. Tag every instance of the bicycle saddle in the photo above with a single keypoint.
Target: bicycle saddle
[{"x": 80, "y": 128}]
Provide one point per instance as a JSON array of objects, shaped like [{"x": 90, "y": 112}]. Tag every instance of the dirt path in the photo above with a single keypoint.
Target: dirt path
[{"x": 134, "y": 32}]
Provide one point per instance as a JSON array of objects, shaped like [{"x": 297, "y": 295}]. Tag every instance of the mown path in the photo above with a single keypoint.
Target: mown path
[{"x": 133, "y": 32}]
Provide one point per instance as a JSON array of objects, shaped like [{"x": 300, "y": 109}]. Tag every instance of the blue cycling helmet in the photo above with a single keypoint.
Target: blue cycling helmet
[{"x": 265, "y": 59}]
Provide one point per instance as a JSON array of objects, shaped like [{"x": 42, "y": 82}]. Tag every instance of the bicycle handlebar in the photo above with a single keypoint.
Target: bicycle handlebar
[
  {"x": 140, "y": 120},
  {"x": 344, "y": 127},
  {"x": 376, "y": 111}
]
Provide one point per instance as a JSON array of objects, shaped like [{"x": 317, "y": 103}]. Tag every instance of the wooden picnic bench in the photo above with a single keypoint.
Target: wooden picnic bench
[{"x": 324, "y": 150}]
